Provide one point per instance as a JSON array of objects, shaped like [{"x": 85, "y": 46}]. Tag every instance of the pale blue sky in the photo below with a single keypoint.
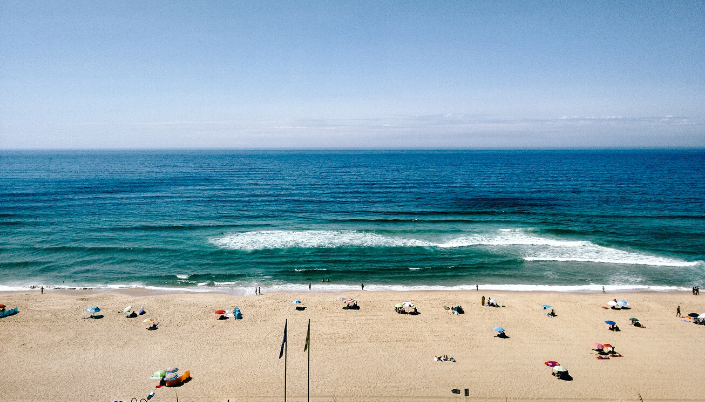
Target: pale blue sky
[{"x": 352, "y": 74}]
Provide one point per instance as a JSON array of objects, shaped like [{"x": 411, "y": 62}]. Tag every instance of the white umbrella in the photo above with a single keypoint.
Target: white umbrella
[
  {"x": 408, "y": 304},
  {"x": 560, "y": 369},
  {"x": 493, "y": 300},
  {"x": 611, "y": 303},
  {"x": 701, "y": 316},
  {"x": 127, "y": 309}
]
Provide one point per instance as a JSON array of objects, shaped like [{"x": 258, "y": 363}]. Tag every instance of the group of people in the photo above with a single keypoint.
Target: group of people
[
  {"x": 696, "y": 290},
  {"x": 443, "y": 358}
]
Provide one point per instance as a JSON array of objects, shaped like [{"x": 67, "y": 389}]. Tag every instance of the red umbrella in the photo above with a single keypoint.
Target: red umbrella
[
  {"x": 2, "y": 306},
  {"x": 220, "y": 311},
  {"x": 551, "y": 363},
  {"x": 598, "y": 346}
]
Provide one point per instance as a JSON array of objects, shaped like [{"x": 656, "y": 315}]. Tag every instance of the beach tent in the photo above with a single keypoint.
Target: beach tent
[{"x": 236, "y": 313}]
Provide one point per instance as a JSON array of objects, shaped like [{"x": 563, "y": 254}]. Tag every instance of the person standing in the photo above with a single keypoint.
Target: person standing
[
  {"x": 309, "y": 286},
  {"x": 477, "y": 288},
  {"x": 678, "y": 311},
  {"x": 42, "y": 289},
  {"x": 362, "y": 285},
  {"x": 483, "y": 301}
]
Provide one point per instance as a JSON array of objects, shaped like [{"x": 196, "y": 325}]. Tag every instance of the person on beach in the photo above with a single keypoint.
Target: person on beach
[
  {"x": 483, "y": 301},
  {"x": 43, "y": 289},
  {"x": 477, "y": 288},
  {"x": 678, "y": 311},
  {"x": 362, "y": 285},
  {"x": 309, "y": 286},
  {"x": 603, "y": 289}
]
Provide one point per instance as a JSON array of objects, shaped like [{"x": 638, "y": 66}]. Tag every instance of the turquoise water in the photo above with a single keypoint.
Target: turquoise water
[{"x": 231, "y": 220}]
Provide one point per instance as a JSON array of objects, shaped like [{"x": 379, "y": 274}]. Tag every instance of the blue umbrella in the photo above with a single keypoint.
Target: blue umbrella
[
  {"x": 297, "y": 302},
  {"x": 93, "y": 309},
  {"x": 622, "y": 303},
  {"x": 545, "y": 306},
  {"x": 610, "y": 322},
  {"x": 499, "y": 329}
]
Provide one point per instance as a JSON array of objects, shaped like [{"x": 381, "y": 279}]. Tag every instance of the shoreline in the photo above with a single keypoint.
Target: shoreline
[{"x": 327, "y": 289}]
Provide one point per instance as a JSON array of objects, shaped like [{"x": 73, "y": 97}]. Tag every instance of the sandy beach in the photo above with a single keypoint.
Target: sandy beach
[{"x": 50, "y": 352}]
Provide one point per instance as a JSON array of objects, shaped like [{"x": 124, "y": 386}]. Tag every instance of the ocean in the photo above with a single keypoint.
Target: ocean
[{"x": 228, "y": 221}]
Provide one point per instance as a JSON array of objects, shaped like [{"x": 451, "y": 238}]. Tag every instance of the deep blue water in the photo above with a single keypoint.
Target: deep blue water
[{"x": 235, "y": 219}]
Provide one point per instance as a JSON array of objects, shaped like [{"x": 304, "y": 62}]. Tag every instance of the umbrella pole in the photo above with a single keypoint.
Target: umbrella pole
[{"x": 285, "y": 350}]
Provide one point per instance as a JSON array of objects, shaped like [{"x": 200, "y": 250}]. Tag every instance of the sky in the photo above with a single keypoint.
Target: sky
[{"x": 352, "y": 74}]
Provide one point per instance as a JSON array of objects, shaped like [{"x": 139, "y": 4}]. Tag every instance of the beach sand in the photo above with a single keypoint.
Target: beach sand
[{"x": 49, "y": 352}]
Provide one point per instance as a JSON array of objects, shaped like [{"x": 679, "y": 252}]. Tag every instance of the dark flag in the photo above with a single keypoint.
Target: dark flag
[
  {"x": 308, "y": 336},
  {"x": 281, "y": 352}
]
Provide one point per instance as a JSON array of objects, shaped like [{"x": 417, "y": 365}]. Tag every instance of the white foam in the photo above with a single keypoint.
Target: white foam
[
  {"x": 528, "y": 246},
  {"x": 183, "y": 276},
  {"x": 280, "y": 239}
]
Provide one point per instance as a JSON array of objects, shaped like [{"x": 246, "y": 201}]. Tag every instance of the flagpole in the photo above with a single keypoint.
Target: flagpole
[
  {"x": 308, "y": 370},
  {"x": 286, "y": 344}
]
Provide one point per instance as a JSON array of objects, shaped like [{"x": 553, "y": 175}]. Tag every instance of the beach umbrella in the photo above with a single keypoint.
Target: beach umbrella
[
  {"x": 408, "y": 304},
  {"x": 296, "y": 302},
  {"x": 610, "y": 322},
  {"x": 545, "y": 306},
  {"x": 159, "y": 373},
  {"x": 149, "y": 320},
  {"x": 693, "y": 315},
  {"x": 493, "y": 300},
  {"x": 93, "y": 309},
  {"x": 634, "y": 319},
  {"x": 141, "y": 310},
  {"x": 350, "y": 301},
  {"x": 560, "y": 369},
  {"x": 622, "y": 303},
  {"x": 399, "y": 305},
  {"x": 611, "y": 303},
  {"x": 598, "y": 346},
  {"x": 498, "y": 329},
  {"x": 341, "y": 298},
  {"x": 171, "y": 370},
  {"x": 220, "y": 311},
  {"x": 171, "y": 377},
  {"x": 127, "y": 309},
  {"x": 551, "y": 363},
  {"x": 608, "y": 346},
  {"x": 701, "y": 316},
  {"x": 2, "y": 306}
]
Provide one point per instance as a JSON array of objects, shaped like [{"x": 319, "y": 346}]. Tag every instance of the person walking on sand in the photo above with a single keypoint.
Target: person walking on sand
[{"x": 678, "y": 311}]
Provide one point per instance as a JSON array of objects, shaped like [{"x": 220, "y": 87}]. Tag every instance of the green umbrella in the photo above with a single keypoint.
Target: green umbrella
[
  {"x": 398, "y": 305},
  {"x": 634, "y": 319}
]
